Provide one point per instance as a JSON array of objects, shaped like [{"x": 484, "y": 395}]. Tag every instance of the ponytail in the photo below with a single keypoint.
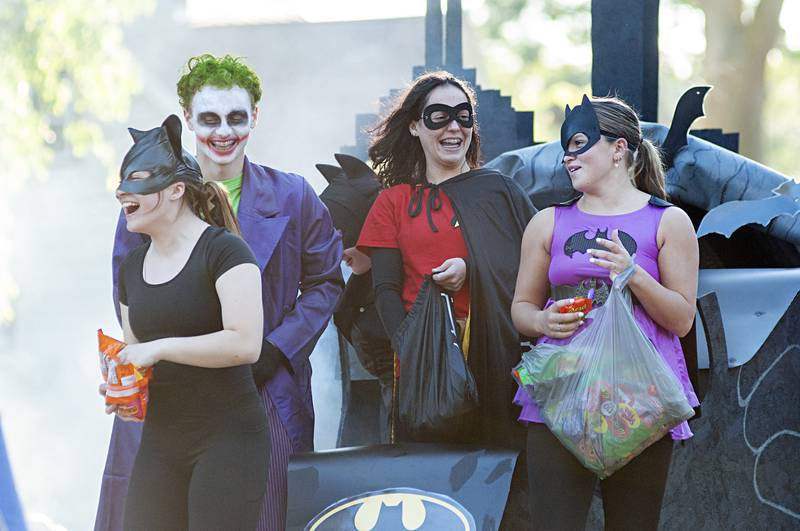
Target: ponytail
[
  {"x": 209, "y": 201},
  {"x": 617, "y": 119},
  {"x": 648, "y": 171}
]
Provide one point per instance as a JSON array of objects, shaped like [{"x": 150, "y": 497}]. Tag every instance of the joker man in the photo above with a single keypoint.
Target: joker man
[{"x": 296, "y": 246}]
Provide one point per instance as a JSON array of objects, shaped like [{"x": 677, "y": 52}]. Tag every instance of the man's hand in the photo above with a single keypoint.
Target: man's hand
[{"x": 268, "y": 363}]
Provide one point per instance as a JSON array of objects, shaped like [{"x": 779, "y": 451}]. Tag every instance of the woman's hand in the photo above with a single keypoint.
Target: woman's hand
[
  {"x": 110, "y": 408},
  {"x": 113, "y": 408},
  {"x": 451, "y": 274},
  {"x": 616, "y": 259},
  {"x": 559, "y": 325},
  {"x": 141, "y": 354}
]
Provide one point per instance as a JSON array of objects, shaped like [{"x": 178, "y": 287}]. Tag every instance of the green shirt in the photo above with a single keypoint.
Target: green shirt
[{"x": 234, "y": 188}]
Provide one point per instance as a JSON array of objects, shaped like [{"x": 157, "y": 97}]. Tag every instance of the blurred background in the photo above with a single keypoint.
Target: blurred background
[{"x": 74, "y": 74}]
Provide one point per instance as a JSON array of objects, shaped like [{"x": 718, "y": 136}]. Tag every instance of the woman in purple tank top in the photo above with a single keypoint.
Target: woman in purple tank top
[{"x": 583, "y": 244}]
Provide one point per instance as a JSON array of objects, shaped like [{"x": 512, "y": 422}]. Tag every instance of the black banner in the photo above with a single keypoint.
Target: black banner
[{"x": 424, "y": 486}]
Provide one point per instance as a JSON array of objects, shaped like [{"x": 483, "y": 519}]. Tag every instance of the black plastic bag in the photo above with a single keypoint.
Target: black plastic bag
[{"x": 435, "y": 385}]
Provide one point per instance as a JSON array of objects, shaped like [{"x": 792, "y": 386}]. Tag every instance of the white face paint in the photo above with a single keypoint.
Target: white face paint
[{"x": 221, "y": 120}]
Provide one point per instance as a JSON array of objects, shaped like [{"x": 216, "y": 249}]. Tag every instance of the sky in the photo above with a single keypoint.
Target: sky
[
  {"x": 259, "y": 11},
  {"x": 790, "y": 15},
  {"x": 209, "y": 12}
]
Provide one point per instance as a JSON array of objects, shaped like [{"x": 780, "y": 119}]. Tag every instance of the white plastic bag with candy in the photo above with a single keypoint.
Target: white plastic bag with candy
[{"x": 608, "y": 394}]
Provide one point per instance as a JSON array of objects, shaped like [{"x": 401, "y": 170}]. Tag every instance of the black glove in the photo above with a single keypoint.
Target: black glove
[{"x": 269, "y": 361}]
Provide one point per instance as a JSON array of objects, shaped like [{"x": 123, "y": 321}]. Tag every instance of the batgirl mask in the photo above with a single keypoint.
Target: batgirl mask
[
  {"x": 159, "y": 152},
  {"x": 439, "y": 115},
  {"x": 581, "y": 119}
]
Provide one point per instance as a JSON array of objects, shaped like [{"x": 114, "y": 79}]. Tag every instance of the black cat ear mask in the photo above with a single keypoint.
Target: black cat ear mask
[
  {"x": 583, "y": 119},
  {"x": 159, "y": 152},
  {"x": 439, "y": 115}
]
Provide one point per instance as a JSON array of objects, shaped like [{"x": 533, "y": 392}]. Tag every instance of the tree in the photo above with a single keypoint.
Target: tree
[
  {"x": 539, "y": 52},
  {"x": 781, "y": 113},
  {"x": 64, "y": 72},
  {"x": 735, "y": 63},
  {"x": 739, "y": 35}
]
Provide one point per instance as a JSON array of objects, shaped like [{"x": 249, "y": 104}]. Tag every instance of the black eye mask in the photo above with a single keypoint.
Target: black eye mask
[
  {"x": 159, "y": 152},
  {"x": 452, "y": 114},
  {"x": 581, "y": 119}
]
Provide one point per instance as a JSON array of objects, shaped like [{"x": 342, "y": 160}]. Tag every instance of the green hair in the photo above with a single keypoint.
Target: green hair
[{"x": 221, "y": 72}]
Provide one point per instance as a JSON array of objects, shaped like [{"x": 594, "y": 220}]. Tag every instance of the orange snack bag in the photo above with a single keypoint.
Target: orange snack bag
[{"x": 126, "y": 384}]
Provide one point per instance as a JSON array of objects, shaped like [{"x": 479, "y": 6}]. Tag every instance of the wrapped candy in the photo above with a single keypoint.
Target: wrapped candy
[
  {"x": 126, "y": 385},
  {"x": 580, "y": 304}
]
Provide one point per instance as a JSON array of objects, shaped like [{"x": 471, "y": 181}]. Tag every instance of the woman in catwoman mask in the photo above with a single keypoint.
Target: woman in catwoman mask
[{"x": 191, "y": 308}]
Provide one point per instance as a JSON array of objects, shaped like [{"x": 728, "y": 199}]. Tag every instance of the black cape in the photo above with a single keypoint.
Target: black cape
[{"x": 493, "y": 212}]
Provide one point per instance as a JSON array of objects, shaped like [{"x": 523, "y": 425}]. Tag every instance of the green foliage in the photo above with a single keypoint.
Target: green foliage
[
  {"x": 540, "y": 53},
  {"x": 221, "y": 72},
  {"x": 64, "y": 71},
  {"x": 782, "y": 143}
]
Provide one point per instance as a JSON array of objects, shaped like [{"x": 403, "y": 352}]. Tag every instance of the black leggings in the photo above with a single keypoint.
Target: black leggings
[
  {"x": 560, "y": 488},
  {"x": 194, "y": 473}
]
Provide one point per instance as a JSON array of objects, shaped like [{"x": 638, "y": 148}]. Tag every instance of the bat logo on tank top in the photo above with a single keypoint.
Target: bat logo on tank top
[{"x": 580, "y": 243}]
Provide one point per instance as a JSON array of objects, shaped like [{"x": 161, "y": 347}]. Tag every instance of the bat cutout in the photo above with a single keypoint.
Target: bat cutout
[
  {"x": 688, "y": 109},
  {"x": 579, "y": 243},
  {"x": 727, "y": 217}
]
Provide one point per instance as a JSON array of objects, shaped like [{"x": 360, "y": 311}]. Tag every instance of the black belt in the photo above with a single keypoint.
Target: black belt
[{"x": 569, "y": 291}]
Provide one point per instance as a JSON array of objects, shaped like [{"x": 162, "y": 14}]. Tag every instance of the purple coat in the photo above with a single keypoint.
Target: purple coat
[{"x": 297, "y": 248}]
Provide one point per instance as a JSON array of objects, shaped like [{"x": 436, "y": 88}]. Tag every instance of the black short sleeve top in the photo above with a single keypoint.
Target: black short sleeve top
[{"x": 188, "y": 304}]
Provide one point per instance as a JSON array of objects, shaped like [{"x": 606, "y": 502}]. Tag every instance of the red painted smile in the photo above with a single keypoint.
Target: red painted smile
[{"x": 223, "y": 147}]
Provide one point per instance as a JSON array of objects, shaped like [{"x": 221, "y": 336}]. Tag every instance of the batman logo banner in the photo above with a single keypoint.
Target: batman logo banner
[
  {"x": 395, "y": 509},
  {"x": 580, "y": 243}
]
